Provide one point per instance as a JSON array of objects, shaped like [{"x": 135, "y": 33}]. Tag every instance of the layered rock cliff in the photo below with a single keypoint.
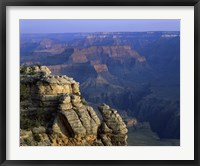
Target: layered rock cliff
[
  {"x": 53, "y": 113},
  {"x": 96, "y": 52}
]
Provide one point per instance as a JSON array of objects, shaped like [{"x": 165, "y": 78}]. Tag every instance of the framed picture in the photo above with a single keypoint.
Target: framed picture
[{"x": 104, "y": 82}]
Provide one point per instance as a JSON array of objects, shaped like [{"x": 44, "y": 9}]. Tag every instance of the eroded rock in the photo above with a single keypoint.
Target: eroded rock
[
  {"x": 56, "y": 115},
  {"x": 113, "y": 127}
]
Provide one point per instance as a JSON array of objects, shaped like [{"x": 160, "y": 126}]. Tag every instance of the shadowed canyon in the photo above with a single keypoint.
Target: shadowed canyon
[{"x": 135, "y": 73}]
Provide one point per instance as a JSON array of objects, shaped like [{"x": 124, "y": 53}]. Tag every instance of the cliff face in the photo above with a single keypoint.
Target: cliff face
[
  {"x": 53, "y": 113},
  {"x": 96, "y": 52}
]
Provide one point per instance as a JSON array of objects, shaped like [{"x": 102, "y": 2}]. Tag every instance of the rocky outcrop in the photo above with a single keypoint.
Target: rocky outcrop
[
  {"x": 113, "y": 128},
  {"x": 53, "y": 113}
]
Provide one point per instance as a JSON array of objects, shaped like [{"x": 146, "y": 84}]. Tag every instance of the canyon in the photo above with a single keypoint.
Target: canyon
[{"x": 136, "y": 73}]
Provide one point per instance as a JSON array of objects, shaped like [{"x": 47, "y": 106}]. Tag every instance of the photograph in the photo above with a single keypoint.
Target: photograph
[{"x": 99, "y": 82}]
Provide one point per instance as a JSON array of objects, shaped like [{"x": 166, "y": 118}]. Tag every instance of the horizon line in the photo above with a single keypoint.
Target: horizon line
[{"x": 98, "y": 32}]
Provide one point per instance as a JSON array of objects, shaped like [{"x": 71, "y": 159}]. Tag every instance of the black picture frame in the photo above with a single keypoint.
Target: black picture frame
[{"x": 5, "y": 3}]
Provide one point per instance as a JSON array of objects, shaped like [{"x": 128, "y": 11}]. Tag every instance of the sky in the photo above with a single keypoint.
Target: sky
[{"x": 70, "y": 26}]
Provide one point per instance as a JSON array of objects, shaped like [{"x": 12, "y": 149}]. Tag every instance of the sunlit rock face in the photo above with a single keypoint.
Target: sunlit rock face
[
  {"x": 53, "y": 113},
  {"x": 114, "y": 131}
]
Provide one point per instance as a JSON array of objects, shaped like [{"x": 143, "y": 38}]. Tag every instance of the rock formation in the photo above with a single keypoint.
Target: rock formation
[
  {"x": 113, "y": 128},
  {"x": 53, "y": 113}
]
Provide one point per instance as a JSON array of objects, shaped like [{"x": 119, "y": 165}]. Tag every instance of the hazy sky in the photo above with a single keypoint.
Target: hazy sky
[{"x": 69, "y": 26}]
